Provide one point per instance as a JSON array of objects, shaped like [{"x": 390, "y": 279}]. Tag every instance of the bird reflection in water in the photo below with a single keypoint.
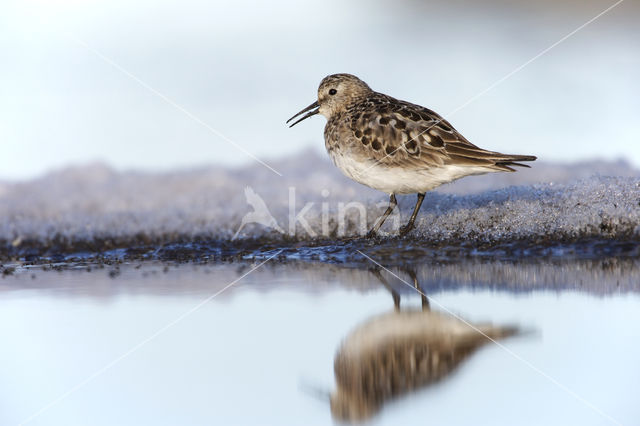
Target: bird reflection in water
[{"x": 401, "y": 351}]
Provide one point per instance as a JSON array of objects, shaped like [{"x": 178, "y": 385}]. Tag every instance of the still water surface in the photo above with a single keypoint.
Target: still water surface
[{"x": 262, "y": 352}]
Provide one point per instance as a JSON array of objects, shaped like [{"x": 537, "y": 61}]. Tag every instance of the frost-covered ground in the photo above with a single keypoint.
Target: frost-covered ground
[{"x": 96, "y": 208}]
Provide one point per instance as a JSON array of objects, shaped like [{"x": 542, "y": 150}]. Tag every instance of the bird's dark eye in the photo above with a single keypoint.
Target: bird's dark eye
[{"x": 333, "y": 91}]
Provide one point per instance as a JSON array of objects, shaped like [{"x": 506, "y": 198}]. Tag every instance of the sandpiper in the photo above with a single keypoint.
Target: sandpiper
[{"x": 395, "y": 146}]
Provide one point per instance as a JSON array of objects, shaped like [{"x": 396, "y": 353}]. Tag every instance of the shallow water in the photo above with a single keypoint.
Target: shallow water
[{"x": 149, "y": 344}]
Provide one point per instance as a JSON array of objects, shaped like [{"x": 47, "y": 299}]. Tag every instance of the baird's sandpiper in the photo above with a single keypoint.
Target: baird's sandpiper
[{"x": 395, "y": 146}]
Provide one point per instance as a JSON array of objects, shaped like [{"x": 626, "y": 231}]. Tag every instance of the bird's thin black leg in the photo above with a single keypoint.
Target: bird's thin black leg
[
  {"x": 409, "y": 226},
  {"x": 392, "y": 204}
]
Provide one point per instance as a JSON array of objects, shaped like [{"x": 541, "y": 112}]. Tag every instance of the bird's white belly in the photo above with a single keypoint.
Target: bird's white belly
[{"x": 398, "y": 180}]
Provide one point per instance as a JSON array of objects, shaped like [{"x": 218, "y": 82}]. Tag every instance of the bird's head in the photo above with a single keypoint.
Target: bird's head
[{"x": 335, "y": 94}]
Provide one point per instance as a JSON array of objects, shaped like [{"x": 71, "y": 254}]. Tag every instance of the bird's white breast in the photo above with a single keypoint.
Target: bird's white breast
[{"x": 400, "y": 180}]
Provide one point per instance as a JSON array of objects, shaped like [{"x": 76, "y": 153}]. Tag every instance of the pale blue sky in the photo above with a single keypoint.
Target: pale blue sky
[{"x": 245, "y": 67}]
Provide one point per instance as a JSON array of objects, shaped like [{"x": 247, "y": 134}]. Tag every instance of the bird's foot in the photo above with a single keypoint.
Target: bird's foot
[
  {"x": 371, "y": 234},
  {"x": 404, "y": 230}
]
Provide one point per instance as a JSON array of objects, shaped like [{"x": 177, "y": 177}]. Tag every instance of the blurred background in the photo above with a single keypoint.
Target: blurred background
[{"x": 69, "y": 93}]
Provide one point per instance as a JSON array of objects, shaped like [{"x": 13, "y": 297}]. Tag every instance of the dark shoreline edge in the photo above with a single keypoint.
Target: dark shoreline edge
[{"x": 394, "y": 250}]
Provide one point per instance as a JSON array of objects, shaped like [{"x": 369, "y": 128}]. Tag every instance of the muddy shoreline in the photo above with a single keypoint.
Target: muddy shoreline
[{"x": 394, "y": 251}]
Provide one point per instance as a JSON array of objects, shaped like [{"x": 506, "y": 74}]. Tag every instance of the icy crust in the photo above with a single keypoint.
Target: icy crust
[
  {"x": 606, "y": 207},
  {"x": 95, "y": 203}
]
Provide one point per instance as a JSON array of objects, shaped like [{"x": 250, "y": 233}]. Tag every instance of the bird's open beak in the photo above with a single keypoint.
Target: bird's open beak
[{"x": 314, "y": 112}]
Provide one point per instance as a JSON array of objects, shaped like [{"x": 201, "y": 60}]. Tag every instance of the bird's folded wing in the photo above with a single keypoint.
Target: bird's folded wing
[{"x": 398, "y": 133}]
